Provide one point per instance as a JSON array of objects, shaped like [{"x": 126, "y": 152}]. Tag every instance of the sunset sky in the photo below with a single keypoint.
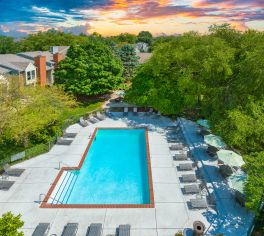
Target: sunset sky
[{"x": 111, "y": 17}]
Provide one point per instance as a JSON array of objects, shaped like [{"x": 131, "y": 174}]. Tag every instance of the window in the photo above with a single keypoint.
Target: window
[
  {"x": 28, "y": 75},
  {"x": 33, "y": 74}
]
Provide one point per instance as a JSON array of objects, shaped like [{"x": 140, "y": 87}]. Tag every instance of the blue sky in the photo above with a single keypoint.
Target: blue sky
[{"x": 110, "y": 17}]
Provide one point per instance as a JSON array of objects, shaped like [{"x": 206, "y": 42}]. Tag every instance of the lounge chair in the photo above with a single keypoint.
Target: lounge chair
[
  {"x": 6, "y": 184},
  {"x": 100, "y": 116},
  {"x": 185, "y": 166},
  {"x": 191, "y": 189},
  {"x": 13, "y": 171},
  {"x": 204, "y": 131},
  {"x": 180, "y": 157},
  {"x": 123, "y": 230},
  {"x": 42, "y": 229},
  {"x": 83, "y": 122},
  {"x": 189, "y": 178},
  {"x": 173, "y": 127},
  {"x": 70, "y": 229},
  {"x": 63, "y": 141},
  {"x": 177, "y": 146},
  {"x": 69, "y": 135},
  {"x": 198, "y": 203},
  {"x": 94, "y": 229},
  {"x": 150, "y": 112},
  {"x": 92, "y": 119}
]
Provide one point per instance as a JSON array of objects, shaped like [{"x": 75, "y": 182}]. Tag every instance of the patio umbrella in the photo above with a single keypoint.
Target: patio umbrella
[
  {"x": 214, "y": 140},
  {"x": 237, "y": 181},
  {"x": 230, "y": 158},
  {"x": 204, "y": 123}
]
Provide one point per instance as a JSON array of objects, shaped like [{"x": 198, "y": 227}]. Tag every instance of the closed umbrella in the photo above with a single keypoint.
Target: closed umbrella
[
  {"x": 237, "y": 181},
  {"x": 204, "y": 123},
  {"x": 230, "y": 158},
  {"x": 214, "y": 141}
]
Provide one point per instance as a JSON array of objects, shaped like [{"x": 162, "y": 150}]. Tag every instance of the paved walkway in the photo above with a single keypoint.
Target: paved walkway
[{"x": 171, "y": 212}]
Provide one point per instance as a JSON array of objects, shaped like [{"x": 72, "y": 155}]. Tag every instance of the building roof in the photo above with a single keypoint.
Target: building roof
[{"x": 19, "y": 62}]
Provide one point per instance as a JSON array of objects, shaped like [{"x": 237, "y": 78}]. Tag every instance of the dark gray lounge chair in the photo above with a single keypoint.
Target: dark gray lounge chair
[
  {"x": 198, "y": 203},
  {"x": 189, "y": 178},
  {"x": 70, "y": 229},
  {"x": 6, "y": 184},
  {"x": 191, "y": 189},
  {"x": 42, "y": 229},
  {"x": 204, "y": 131},
  {"x": 180, "y": 157},
  {"x": 83, "y": 122},
  {"x": 185, "y": 166},
  {"x": 225, "y": 170},
  {"x": 13, "y": 171},
  {"x": 123, "y": 230},
  {"x": 62, "y": 141},
  {"x": 177, "y": 146},
  {"x": 69, "y": 135},
  {"x": 94, "y": 229}
]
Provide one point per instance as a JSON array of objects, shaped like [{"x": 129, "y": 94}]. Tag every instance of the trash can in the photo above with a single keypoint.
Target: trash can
[{"x": 198, "y": 228}]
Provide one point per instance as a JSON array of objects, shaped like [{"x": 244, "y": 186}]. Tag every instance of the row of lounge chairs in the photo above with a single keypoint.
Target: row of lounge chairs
[
  {"x": 92, "y": 119},
  {"x": 6, "y": 184},
  {"x": 71, "y": 229},
  {"x": 177, "y": 143}
]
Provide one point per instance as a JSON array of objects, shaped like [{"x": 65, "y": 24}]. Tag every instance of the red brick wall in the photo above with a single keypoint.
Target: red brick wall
[
  {"x": 57, "y": 58},
  {"x": 40, "y": 63}
]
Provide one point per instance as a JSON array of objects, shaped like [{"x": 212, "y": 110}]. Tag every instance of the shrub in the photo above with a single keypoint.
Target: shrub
[{"x": 9, "y": 225}]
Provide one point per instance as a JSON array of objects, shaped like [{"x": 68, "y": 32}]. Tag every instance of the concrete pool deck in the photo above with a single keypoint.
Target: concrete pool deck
[{"x": 171, "y": 212}]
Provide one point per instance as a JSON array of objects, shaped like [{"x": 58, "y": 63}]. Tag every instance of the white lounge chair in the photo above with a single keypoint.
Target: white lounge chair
[
  {"x": 83, "y": 122},
  {"x": 92, "y": 119},
  {"x": 198, "y": 203},
  {"x": 100, "y": 116},
  {"x": 191, "y": 189}
]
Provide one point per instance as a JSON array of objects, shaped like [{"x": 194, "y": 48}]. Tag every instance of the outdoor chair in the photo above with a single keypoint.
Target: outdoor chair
[
  {"x": 94, "y": 229},
  {"x": 42, "y": 229},
  {"x": 188, "y": 178},
  {"x": 13, "y": 171},
  {"x": 177, "y": 146},
  {"x": 70, "y": 229},
  {"x": 185, "y": 166},
  {"x": 180, "y": 157},
  {"x": 92, "y": 119},
  {"x": 198, "y": 203},
  {"x": 191, "y": 189},
  {"x": 62, "y": 141},
  {"x": 135, "y": 111},
  {"x": 6, "y": 184},
  {"x": 69, "y": 135},
  {"x": 225, "y": 170},
  {"x": 83, "y": 122},
  {"x": 204, "y": 131},
  {"x": 123, "y": 230},
  {"x": 173, "y": 127},
  {"x": 100, "y": 116}
]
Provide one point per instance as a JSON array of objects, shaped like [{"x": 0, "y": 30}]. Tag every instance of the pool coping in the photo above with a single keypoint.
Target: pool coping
[{"x": 45, "y": 203}]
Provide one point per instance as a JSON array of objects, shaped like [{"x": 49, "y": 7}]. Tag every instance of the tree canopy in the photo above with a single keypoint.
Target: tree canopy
[
  {"x": 129, "y": 59},
  {"x": 219, "y": 76},
  {"x": 145, "y": 37},
  {"x": 10, "y": 224},
  {"x": 89, "y": 69}
]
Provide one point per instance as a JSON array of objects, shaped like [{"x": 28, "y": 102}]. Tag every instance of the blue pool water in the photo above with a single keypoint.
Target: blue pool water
[{"x": 114, "y": 171}]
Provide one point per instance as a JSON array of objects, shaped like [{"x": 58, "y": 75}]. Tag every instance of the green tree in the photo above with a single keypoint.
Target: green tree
[
  {"x": 180, "y": 72},
  {"x": 31, "y": 115},
  {"x": 10, "y": 224},
  {"x": 145, "y": 37},
  {"x": 124, "y": 38},
  {"x": 7, "y": 45},
  {"x": 129, "y": 58},
  {"x": 89, "y": 69}
]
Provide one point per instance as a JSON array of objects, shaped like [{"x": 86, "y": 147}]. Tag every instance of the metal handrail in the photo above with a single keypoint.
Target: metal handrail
[{"x": 43, "y": 194}]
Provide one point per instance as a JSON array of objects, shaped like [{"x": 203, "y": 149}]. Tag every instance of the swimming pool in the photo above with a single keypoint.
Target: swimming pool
[{"x": 114, "y": 172}]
